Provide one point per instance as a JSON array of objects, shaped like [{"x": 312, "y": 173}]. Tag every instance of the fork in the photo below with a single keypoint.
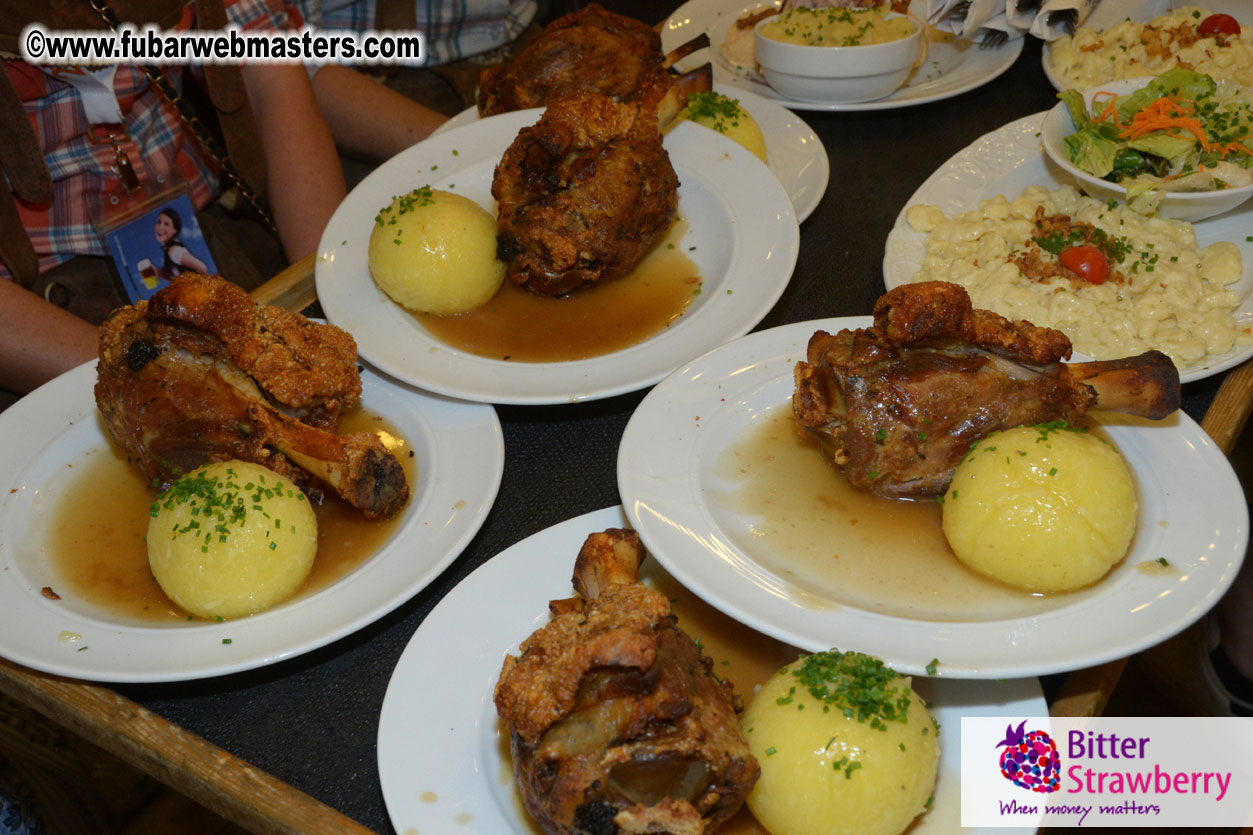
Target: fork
[
  {"x": 958, "y": 12},
  {"x": 993, "y": 38},
  {"x": 1066, "y": 18}
]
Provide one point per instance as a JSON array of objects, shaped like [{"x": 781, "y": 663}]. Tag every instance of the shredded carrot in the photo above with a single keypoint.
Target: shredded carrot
[
  {"x": 1164, "y": 114},
  {"x": 1110, "y": 113},
  {"x": 1173, "y": 114}
]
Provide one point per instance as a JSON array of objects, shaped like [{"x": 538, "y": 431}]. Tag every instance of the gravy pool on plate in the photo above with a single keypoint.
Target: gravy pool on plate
[
  {"x": 521, "y": 326},
  {"x": 97, "y": 544},
  {"x": 835, "y": 545}
]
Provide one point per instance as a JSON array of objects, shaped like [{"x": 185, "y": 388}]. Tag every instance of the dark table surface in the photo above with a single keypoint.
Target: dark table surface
[{"x": 312, "y": 721}]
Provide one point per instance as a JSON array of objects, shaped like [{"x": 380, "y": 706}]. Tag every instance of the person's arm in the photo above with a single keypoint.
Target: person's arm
[
  {"x": 182, "y": 256},
  {"x": 38, "y": 340},
  {"x": 304, "y": 176},
  {"x": 369, "y": 119}
]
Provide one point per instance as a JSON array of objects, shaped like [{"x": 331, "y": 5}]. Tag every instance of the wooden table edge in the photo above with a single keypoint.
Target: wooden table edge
[{"x": 218, "y": 780}]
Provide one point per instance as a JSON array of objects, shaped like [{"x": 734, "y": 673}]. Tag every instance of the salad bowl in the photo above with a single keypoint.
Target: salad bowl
[{"x": 1188, "y": 206}]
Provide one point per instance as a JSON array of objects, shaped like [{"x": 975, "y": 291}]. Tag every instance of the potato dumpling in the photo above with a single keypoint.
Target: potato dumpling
[
  {"x": 1047, "y": 508},
  {"x": 231, "y": 539},
  {"x": 435, "y": 252},
  {"x": 717, "y": 112},
  {"x": 845, "y": 746}
]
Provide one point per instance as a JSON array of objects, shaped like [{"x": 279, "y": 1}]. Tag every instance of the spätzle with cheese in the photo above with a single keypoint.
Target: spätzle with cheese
[
  {"x": 1164, "y": 291},
  {"x": 1133, "y": 49}
]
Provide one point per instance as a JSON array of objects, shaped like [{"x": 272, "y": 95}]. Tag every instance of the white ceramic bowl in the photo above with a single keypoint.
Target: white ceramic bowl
[
  {"x": 1177, "y": 205},
  {"x": 844, "y": 74}
]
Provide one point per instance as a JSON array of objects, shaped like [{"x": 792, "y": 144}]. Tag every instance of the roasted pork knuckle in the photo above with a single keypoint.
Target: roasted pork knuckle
[
  {"x": 616, "y": 722},
  {"x": 201, "y": 373},
  {"x": 898, "y": 405}
]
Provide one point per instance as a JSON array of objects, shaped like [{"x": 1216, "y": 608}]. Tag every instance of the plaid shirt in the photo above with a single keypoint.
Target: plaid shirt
[
  {"x": 454, "y": 29},
  {"x": 81, "y": 160}
]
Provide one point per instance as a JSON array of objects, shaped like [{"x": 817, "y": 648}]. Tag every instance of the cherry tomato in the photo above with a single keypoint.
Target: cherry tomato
[
  {"x": 1218, "y": 24},
  {"x": 1087, "y": 262}
]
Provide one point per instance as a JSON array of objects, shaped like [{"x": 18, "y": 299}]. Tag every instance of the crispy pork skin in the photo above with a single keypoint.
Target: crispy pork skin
[
  {"x": 617, "y": 724},
  {"x": 898, "y": 405},
  {"x": 591, "y": 50},
  {"x": 583, "y": 194},
  {"x": 201, "y": 373}
]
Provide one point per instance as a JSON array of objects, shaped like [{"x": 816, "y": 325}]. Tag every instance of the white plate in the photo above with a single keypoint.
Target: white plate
[
  {"x": 460, "y": 452},
  {"x": 1112, "y": 13},
  {"x": 950, "y": 68},
  {"x": 439, "y": 751},
  {"x": 742, "y": 235},
  {"x": 1192, "y": 512},
  {"x": 794, "y": 152},
  {"x": 1006, "y": 161}
]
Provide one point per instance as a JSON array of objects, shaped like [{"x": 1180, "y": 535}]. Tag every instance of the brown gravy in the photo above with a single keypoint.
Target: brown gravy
[
  {"x": 835, "y": 545},
  {"x": 521, "y": 326},
  {"x": 96, "y": 536}
]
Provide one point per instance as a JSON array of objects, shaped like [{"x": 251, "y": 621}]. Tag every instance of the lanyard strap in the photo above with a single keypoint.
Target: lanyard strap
[{"x": 188, "y": 116}]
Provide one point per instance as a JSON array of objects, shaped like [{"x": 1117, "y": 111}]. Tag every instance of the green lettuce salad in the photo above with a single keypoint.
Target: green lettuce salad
[{"x": 1180, "y": 132}]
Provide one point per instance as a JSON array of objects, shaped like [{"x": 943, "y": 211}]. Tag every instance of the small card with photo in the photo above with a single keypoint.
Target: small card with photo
[{"x": 151, "y": 247}]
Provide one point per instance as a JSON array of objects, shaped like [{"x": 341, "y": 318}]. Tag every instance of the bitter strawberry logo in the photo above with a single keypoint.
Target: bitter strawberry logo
[{"x": 1030, "y": 759}]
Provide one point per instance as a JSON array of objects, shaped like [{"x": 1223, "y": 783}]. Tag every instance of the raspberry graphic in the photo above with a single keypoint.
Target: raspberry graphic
[{"x": 1030, "y": 760}]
